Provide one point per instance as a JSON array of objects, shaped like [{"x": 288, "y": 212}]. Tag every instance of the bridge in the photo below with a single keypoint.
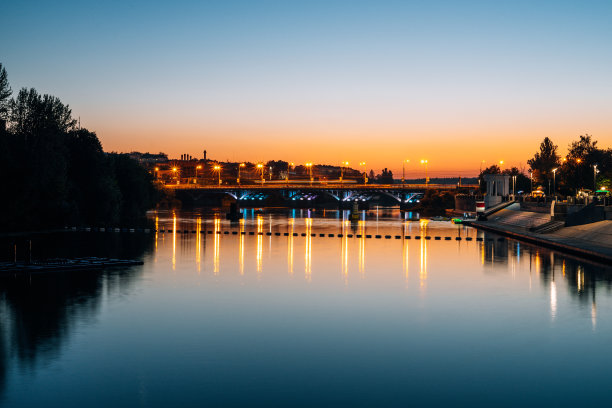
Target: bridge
[{"x": 399, "y": 194}]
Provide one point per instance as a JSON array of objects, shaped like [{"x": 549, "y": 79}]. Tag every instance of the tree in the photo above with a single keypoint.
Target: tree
[
  {"x": 386, "y": 177},
  {"x": 544, "y": 161},
  {"x": 494, "y": 169},
  {"x": 5, "y": 94},
  {"x": 578, "y": 168}
]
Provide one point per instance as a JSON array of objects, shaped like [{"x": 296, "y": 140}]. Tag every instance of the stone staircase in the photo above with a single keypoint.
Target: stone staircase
[{"x": 548, "y": 227}]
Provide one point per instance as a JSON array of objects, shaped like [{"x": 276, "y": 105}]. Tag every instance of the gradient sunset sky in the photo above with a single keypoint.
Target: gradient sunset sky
[{"x": 455, "y": 82}]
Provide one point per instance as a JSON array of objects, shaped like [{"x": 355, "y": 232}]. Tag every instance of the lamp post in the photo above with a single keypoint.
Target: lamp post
[
  {"x": 260, "y": 166},
  {"x": 239, "y": 166},
  {"x": 309, "y": 165},
  {"x": 156, "y": 173},
  {"x": 555, "y": 181},
  {"x": 175, "y": 171},
  {"x": 365, "y": 178},
  {"x": 404, "y": 170},
  {"x": 344, "y": 163},
  {"x": 514, "y": 185},
  {"x": 531, "y": 181},
  {"x": 424, "y": 161},
  {"x": 594, "y": 178},
  {"x": 198, "y": 167},
  {"x": 217, "y": 168},
  {"x": 288, "y": 167}
]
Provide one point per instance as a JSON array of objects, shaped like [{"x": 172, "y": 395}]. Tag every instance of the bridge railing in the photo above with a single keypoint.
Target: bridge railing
[{"x": 328, "y": 186}]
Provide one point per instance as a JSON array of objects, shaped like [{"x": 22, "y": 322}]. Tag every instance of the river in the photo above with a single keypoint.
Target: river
[{"x": 428, "y": 313}]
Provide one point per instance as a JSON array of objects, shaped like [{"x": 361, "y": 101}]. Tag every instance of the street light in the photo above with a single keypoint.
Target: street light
[
  {"x": 531, "y": 180},
  {"x": 555, "y": 181},
  {"x": 288, "y": 167},
  {"x": 218, "y": 170},
  {"x": 344, "y": 163},
  {"x": 239, "y": 166},
  {"x": 424, "y": 161},
  {"x": 514, "y": 185},
  {"x": 261, "y": 167},
  {"x": 365, "y": 178},
  {"x": 309, "y": 165},
  {"x": 156, "y": 173},
  {"x": 594, "y": 178},
  {"x": 404, "y": 169},
  {"x": 198, "y": 167},
  {"x": 175, "y": 170}
]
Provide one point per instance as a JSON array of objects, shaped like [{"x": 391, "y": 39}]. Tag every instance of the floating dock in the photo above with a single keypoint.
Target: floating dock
[{"x": 63, "y": 265}]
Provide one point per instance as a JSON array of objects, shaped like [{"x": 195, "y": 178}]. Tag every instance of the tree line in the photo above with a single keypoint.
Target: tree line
[
  {"x": 55, "y": 173},
  {"x": 585, "y": 167}
]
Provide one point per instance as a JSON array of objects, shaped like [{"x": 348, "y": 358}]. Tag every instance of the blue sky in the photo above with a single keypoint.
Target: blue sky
[{"x": 253, "y": 78}]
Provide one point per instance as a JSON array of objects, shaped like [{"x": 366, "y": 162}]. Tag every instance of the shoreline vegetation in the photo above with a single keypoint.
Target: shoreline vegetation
[{"x": 56, "y": 173}]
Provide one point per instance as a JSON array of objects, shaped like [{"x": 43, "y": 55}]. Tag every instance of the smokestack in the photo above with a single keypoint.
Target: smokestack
[{"x": 204, "y": 154}]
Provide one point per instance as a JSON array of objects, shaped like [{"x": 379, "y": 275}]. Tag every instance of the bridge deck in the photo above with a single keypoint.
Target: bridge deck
[{"x": 335, "y": 186}]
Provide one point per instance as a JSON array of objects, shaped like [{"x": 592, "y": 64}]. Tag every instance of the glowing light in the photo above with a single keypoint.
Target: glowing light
[
  {"x": 241, "y": 247},
  {"x": 308, "y": 251},
  {"x": 198, "y": 243},
  {"x": 290, "y": 246},
  {"x": 259, "y": 256},
  {"x": 216, "y": 245},
  {"x": 174, "y": 242}
]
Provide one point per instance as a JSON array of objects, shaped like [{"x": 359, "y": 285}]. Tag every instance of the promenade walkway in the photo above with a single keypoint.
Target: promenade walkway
[{"x": 591, "y": 241}]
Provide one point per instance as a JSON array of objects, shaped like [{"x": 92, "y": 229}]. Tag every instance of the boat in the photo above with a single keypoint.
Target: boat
[{"x": 439, "y": 218}]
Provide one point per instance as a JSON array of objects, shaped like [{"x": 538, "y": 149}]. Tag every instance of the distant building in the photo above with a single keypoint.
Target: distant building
[
  {"x": 149, "y": 158},
  {"x": 498, "y": 187}
]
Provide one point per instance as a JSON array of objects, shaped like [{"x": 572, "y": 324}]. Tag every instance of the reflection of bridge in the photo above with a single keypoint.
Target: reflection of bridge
[{"x": 398, "y": 193}]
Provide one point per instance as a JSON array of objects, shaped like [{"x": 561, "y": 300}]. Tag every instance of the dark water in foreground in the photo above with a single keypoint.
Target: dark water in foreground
[{"x": 257, "y": 320}]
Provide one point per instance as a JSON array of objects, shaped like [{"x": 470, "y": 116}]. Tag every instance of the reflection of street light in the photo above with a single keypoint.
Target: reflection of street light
[
  {"x": 424, "y": 161},
  {"x": 218, "y": 169},
  {"x": 365, "y": 178},
  {"x": 309, "y": 165},
  {"x": 261, "y": 167},
  {"x": 239, "y": 166},
  {"x": 404, "y": 169}
]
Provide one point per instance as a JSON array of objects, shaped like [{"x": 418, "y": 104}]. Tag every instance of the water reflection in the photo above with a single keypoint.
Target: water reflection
[
  {"x": 37, "y": 317},
  {"x": 308, "y": 251},
  {"x": 39, "y": 313}
]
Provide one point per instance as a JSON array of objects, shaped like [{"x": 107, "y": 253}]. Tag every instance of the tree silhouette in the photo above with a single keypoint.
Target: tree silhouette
[{"x": 544, "y": 161}]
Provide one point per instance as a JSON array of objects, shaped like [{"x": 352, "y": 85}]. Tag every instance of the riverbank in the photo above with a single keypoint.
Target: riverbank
[{"x": 591, "y": 241}]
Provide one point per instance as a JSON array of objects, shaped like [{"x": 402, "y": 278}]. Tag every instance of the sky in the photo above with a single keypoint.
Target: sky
[{"x": 453, "y": 82}]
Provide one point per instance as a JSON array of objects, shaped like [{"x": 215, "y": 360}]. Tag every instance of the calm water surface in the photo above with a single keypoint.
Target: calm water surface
[{"x": 273, "y": 320}]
